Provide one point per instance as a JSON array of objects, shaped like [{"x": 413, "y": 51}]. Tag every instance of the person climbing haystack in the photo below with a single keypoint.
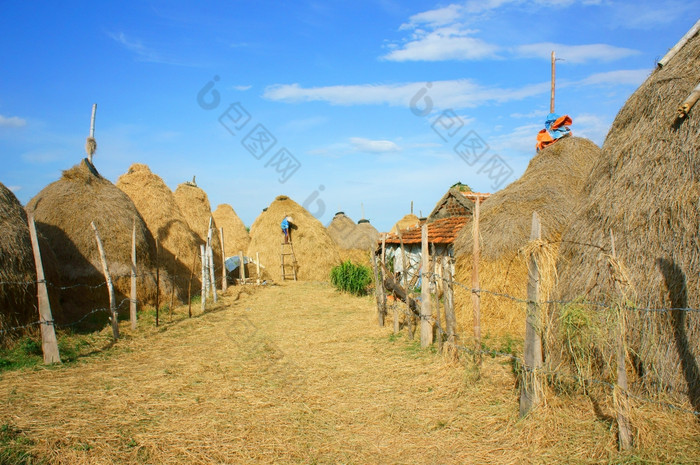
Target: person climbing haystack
[{"x": 286, "y": 228}]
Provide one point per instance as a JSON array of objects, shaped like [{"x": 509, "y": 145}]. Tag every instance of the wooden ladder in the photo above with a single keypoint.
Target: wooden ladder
[{"x": 288, "y": 250}]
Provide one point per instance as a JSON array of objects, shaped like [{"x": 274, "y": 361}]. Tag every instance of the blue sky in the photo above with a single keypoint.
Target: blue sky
[{"x": 368, "y": 103}]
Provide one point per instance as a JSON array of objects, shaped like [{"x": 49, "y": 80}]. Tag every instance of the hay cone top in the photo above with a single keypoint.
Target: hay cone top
[
  {"x": 408, "y": 221},
  {"x": 315, "y": 251},
  {"x": 194, "y": 205},
  {"x": 343, "y": 231},
  {"x": 236, "y": 237}
]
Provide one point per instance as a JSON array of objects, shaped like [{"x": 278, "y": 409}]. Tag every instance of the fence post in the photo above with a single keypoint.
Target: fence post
[
  {"x": 624, "y": 429},
  {"x": 157, "y": 282},
  {"x": 426, "y": 330},
  {"x": 530, "y": 391},
  {"x": 49, "y": 345},
  {"x": 476, "y": 297},
  {"x": 212, "y": 275},
  {"x": 108, "y": 279},
  {"x": 224, "y": 277},
  {"x": 404, "y": 278},
  {"x": 378, "y": 290},
  {"x": 132, "y": 301},
  {"x": 203, "y": 298},
  {"x": 448, "y": 293},
  {"x": 241, "y": 270},
  {"x": 189, "y": 285},
  {"x": 257, "y": 266},
  {"x": 172, "y": 287}
]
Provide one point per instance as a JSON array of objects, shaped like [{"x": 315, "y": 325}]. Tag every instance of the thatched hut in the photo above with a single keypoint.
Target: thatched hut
[
  {"x": 236, "y": 237},
  {"x": 63, "y": 211},
  {"x": 645, "y": 190},
  {"x": 551, "y": 185},
  {"x": 315, "y": 251},
  {"x": 195, "y": 207},
  {"x": 18, "y": 299},
  {"x": 178, "y": 244}
]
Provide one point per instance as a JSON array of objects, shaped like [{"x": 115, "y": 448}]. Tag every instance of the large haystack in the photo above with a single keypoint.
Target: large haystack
[
  {"x": 178, "y": 244},
  {"x": 646, "y": 190},
  {"x": 195, "y": 207},
  {"x": 551, "y": 186},
  {"x": 315, "y": 251},
  {"x": 18, "y": 299},
  {"x": 408, "y": 221},
  {"x": 343, "y": 231},
  {"x": 236, "y": 237},
  {"x": 63, "y": 211},
  {"x": 367, "y": 235}
]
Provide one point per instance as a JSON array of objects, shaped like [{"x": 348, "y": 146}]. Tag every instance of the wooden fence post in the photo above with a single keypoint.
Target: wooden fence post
[
  {"x": 49, "y": 344},
  {"x": 530, "y": 395},
  {"x": 476, "y": 296},
  {"x": 189, "y": 284},
  {"x": 379, "y": 291},
  {"x": 257, "y": 266},
  {"x": 172, "y": 287},
  {"x": 241, "y": 270},
  {"x": 448, "y": 296},
  {"x": 404, "y": 278},
  {"x": 624, "y": 429},
  {"x": 426, "y": 330},
  {"x": 224, "y": 277},
  {"x": 110, "y": 287},
  {"x": 157, "y": 282},
  {"x": 203, "y": 255},
  {"x": 132, "y": 301},
  {"x": 212, "y": 275}
]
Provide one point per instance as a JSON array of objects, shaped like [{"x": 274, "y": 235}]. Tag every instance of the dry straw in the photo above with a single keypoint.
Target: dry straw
[
  {"x": 236, "y": 237},
  {"x": 195, "y": 207},
  {"x": 315, "y": 251},
  {"x": 551, "y": 186},
  {"x": 63, "y": 211},
  {"x": 646, "y": 189},
  {"x": 408, "y": 221},
  {"x": 156, "y": 204}
]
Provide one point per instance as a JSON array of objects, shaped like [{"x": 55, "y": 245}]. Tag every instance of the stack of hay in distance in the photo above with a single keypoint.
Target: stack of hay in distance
[{"x": 194, "y": 205}]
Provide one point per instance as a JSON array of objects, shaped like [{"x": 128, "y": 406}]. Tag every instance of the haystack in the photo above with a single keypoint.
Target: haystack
[
  {"x": 63, "y": 211},
  {"x": 315, "y": 251},
  {"x": 646, "y": 192},
  {"x": 178, "y": 244},
  {"x": 408, "y": 221},
  {"x": 18, "y": 299},
  {"x": 367, "y": 235},
  {"x": 551, "y": 186},
  {"x": 236, "y": 237},
  {"x": 195, "y": 207},
  {"x": 343, "y": 231}
]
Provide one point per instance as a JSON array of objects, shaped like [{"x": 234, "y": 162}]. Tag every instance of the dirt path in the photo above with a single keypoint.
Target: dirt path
[{"x": 291, "y": 374}]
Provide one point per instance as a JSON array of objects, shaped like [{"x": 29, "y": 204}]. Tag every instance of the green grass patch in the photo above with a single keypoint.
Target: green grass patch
[
  {"x": 15, "y": 446},
  {"x": 351, "y": 278}
]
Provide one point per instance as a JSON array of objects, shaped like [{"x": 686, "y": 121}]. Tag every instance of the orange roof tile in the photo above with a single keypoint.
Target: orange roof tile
[{"x": 442, "y": 231}]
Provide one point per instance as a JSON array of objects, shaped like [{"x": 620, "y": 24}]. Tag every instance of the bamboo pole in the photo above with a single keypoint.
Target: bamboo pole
[
  {"x": 132, "y": 301},
  {"x": 689, "y": 102},
  {"x": 224, "y": 277},
  {"x": 476, "y": 297},
  {"x": 676, "y": 48},
  {"x": 49, "y": 344},
  {"x": 426, "y": 330},
  {"x": 110, "y": 286},
  {"x": 530, "y": 396},
  {"x": 624, "y": 429}
]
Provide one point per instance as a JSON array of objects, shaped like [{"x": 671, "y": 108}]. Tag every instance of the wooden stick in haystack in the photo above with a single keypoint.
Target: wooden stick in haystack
[
  {"x": 90, "y": 142},
  {"x": 676, "y": 48},
  {"x": 551, "y": 98},
  {"x": 110, "y": 287},
  {"x": 689, "y": 102}
]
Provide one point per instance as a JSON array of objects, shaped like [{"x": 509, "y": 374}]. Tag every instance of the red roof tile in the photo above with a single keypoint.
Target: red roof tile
[{"x": 442, "y": 231}]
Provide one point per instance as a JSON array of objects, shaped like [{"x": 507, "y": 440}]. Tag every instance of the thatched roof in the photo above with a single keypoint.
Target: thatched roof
[
  {"x": 236, "y": 237},
  {"x": 408, "y": 221},
  {"x": 453, "y": 203},
  {"x": 156, "y": 203},
  {"x": 315, "y": 251},
  {"x": 63, "y": 211},
  {"x": 18, "y": 299},
  {"x": 551, "y": 185},
  {"x": 646, "y": 191},
  {"x": 195, "y": 207}
]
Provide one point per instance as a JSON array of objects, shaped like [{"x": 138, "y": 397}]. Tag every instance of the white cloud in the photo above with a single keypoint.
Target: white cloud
[
  {"x": 437, "y": 17},
  {"x": 462, "y": 93},
  {"x": 374, "y": 146},
  {"x": 447, "y": 43},
  {"x": 12, "y": 121},
  {"x": 242, "y": 88},
  {"x": 14, "y": 188},
  {"x": 593, "y": 127},
  {"x": 574, "y": 53},
  {"x": 631, "y": 77},
  {"x": 145, "y": 53}
]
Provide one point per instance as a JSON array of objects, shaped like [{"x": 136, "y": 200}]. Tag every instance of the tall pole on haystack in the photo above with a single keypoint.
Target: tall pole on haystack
[
  {"x": 90, "y": 143},
  {"x": 551, "y": 99}
]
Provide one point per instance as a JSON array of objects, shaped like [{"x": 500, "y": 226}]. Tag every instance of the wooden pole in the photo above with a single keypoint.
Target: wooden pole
[
  {"x": 203, "y": 255},
  {"x": 91, "y": 145},
  {"x": 426, "y": 330},
  {"x": 530, "y": 390},
  {"x": 224, "y": 277},
  {"x": 92, "y": 121},
  {"x": 157, "y": 282},
  {"x": 132, "y": 301},
  {"x": 404, "y": 278},
  {"x": 624, "y": 429},
  {"x": 172, "y": 288},
  {"x": 110, "y": 287},
  {"x": 212, "y": 277},
  {"x": 49, "y": 344},
  {"x": 257, "y": 265},
  {"x": 241, "y": 273},
  {"x": 476, "y": 297},
  {"x": 689, "y": 102},
  {"x": 551, "y": 98},
  {"x": 378, "y": 290},
  {"x": 189, "y": 284},
  {"x": 448, "y": 296},
  {"x": 676, "y": 48}
]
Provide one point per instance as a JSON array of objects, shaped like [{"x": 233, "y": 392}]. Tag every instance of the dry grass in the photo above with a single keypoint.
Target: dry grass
[
  {"x": 315, "y": 251},
  {"x": 408, "y": 221},
  {"x": 301, "y": 374},
  {"x": 236, "y": 237},
  {"x": 195, "y": 207}
]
